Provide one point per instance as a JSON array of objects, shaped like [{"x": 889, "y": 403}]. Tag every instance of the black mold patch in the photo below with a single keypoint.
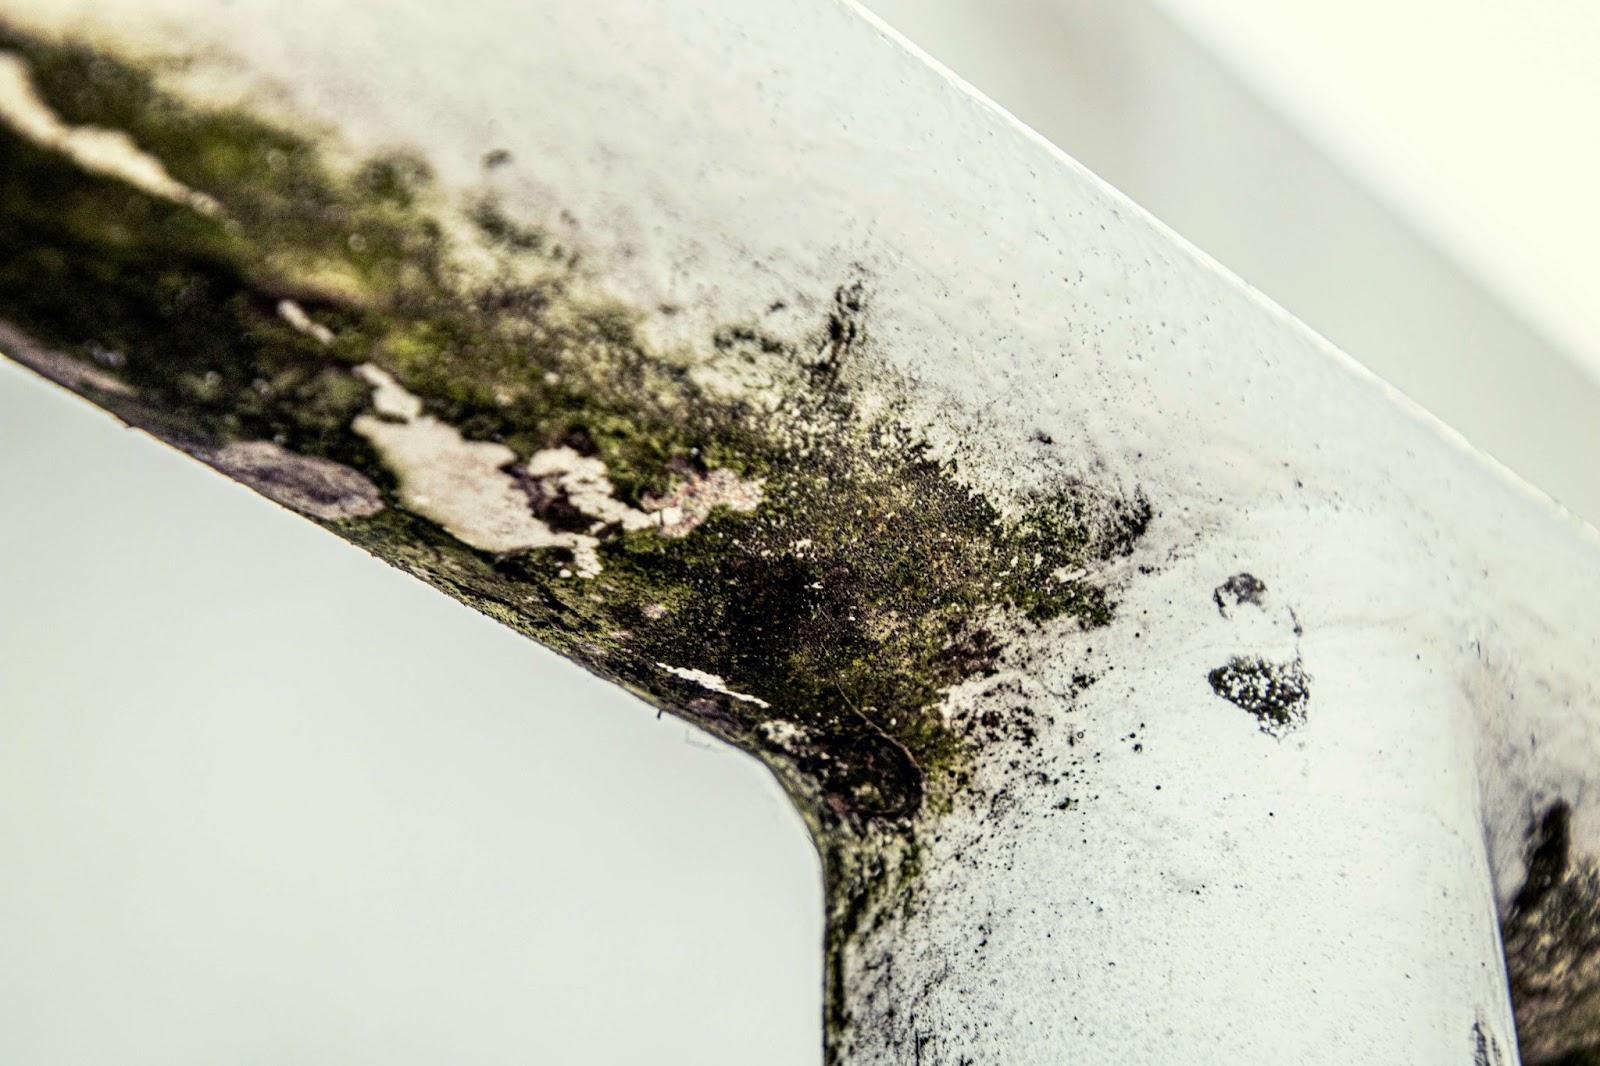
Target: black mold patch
[
  {"x": 846, "y": 328},
  {"x": 1240, "y": 588},
  {"x": 1485, "y": 1047},
  {"x": 1552, "y": 946},
  {"x": 1549, "y": 858},
  {"x": 1275, "y": 693},
  {"x": 863, "y": 586}
]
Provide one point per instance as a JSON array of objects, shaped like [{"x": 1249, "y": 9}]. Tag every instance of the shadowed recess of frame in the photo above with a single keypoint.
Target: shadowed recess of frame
[{"x": 813, "y": 621}]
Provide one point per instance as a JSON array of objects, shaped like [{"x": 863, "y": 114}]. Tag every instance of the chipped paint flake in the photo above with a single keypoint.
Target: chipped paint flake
[
  {"x": 296, "y": 317},
  {"x": 102, "y": 151},
  {"x": 463, "y": 485},
  {"x": 712, "y": 682},
  {"x": 389, "y": 397},
  {"x": 781, "y": 732},
  {"x": 59, "y": 366},
  {"x": 478, "y": 493},
  {"x": 317, "y": 487},
  {"x": 583, "y": 481},
  {"x": 691, "y": 502},
  {"x": 460, "y": 484}
]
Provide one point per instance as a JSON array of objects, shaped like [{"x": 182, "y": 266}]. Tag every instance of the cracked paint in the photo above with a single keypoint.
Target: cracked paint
[{"x": 463, "y": 485}]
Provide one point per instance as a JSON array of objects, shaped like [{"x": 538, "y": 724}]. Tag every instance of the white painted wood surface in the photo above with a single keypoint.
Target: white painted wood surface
[{"x": 1213, "y": 894}]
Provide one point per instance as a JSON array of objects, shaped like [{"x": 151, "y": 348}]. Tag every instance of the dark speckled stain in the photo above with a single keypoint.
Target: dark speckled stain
[
  {"x": 1238, "y": 589},
  {"x": 1552, "y": 946},
  {"x": 169, "y": 318},
  {"x": 849, "y": 600},
  {"x": 1275, "y": 693},
  {"x": 1485, "y": 1047}
]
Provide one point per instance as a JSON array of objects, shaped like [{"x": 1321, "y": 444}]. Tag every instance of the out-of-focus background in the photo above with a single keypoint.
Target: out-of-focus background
[
  {"x": 1415, "y": 179},
  {"x": 264, "y": 800}
]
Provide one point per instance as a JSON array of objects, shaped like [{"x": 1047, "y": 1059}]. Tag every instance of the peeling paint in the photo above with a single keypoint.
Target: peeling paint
[
  {"x": 389, "y": 398},
  {"x": 714, "y": 683},
  {"x": 783, "y": 734},
  {"x": 58, "y": 366},
  {"x": 582, "y": 480},
  {"x": 463, "y": 485},
  {"x": 296, "y": 316},
  {"x": 317, "y": 487},
  {"x": 690, "y": 502},
  {"x": 109, "y": 152}
]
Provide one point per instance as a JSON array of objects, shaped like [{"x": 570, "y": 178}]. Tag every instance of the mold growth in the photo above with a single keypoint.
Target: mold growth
[
  {"x": 108, "y": 152},
  {"x": 1485, "y": 1047},
  {"x": 1552, "y": 946},
  {"x": 467, "y": 486},
  {"x": 320, "y": 488},
  {"x": 716, "y": 684},
  {"x": 750, "y": 538},
  {"x": 1238, "y": 589},
  {"x": 1276, "y": 694}
]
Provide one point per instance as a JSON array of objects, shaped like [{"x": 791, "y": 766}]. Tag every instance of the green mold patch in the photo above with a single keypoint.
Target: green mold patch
[{"x": 817, "y": 630}]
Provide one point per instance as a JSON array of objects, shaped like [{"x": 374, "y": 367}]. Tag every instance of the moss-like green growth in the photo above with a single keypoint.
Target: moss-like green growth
[{"x": 864, "y": 584}]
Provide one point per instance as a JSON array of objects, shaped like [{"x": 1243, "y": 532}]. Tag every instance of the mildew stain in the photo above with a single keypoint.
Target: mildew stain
[
  {"x": 752, "y": 538},
  {"x": 1275, "y": 693},
  {"x": 1239, "y": 589},
  {"x": 1551, "y": 935},
  {"x": 109, "y": 152},
  {"x": 1486, "y": 1046},
  {"x": 320, "y": 488}
]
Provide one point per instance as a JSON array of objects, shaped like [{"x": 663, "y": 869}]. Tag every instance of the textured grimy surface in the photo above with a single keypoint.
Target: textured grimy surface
[{"x": 1153, "y": 682}]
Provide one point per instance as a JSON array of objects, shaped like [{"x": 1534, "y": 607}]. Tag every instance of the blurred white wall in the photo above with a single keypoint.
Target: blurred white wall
[
  {"x": 264, "y": 800},
  {"x": 1473, "y": 117}
]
